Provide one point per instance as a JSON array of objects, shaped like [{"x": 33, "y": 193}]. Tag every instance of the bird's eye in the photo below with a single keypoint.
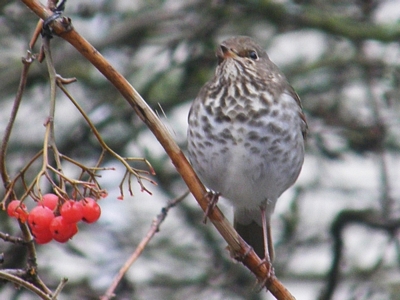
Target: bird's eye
[{"x": 253, "y": 54}]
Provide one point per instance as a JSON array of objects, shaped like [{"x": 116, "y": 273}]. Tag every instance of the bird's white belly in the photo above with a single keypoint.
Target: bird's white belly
[
  {"x": 248, "y": 161},
  {"x": 247, "y": 178}
]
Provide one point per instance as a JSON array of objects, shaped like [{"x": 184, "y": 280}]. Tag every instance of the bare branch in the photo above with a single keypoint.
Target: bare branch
[
  {"x": 29, "y": 286},
  {"x": 154, "y": 228}
]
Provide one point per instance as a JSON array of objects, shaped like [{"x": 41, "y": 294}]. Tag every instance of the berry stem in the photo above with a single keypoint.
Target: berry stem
[{"x": 132, "y": 171}]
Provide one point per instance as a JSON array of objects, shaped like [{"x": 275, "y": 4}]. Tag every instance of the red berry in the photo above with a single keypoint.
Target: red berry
[
  {"x": 50, "y": 201},
  {"x": 40, "y": 218},
  {"x": 61, "y": 230},
  {"x": 16, "y": 209},
  {"x": 45, "y": 240},
  {"x": 72, "y": 211},
  {"x": 91, "y": 210},
  {"x": 42, "y": 236},
  {"x": 74, "y": 229}
]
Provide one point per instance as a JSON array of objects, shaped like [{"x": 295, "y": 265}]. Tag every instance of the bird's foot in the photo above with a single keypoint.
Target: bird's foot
[
  {"x": 212, "y": 202},
  {"x": 263, "y": 281}
]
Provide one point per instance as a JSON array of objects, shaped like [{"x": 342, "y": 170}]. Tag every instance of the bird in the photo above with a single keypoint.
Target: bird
[{"x": 246, "y": 136}]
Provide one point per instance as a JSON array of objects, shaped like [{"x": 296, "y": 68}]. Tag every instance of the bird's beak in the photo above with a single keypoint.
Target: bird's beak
[{"x": 227, "y": 52}]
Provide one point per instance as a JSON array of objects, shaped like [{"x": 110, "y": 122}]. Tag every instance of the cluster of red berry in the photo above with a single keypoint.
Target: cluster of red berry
[{"x": 47, "y": 222}]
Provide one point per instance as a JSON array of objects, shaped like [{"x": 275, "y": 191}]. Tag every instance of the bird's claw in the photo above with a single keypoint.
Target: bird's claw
[
  {"x": 212, "y": 202},
  {"x": 262, "y": 282}
]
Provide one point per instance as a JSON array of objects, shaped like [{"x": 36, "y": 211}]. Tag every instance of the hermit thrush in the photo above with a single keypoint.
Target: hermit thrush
[{"x": 246, "y": 137}]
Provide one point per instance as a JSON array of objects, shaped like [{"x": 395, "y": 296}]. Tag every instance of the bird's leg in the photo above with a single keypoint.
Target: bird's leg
[
  {"x": 212, "y": 202},
  {"x": 268, "y": 246}
]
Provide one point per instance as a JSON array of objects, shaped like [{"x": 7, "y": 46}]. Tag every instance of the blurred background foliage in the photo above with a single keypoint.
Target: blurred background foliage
[{"x": 343, "y": 59}]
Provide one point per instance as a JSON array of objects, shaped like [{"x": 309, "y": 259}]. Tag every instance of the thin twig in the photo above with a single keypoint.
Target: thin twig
[
  {"x": 27, "y": 61},
  {"x": 36, "y": 34},
  {"x": 31, "y": 268},
  {"x": 367, "y": 218},
  {"x": 27, "y": 238},
  {"x": 12, "y": 239},
  {"x": 50, "y": 125},
  {"x": 124, "y": 161},
  {"x": 59, "y": 288},
  {"x": 9, "y": 191},
  {"x": 375, "y": 100},
  {"x": 154, "y": 228},
  {"x": 29, "y": 286}
]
